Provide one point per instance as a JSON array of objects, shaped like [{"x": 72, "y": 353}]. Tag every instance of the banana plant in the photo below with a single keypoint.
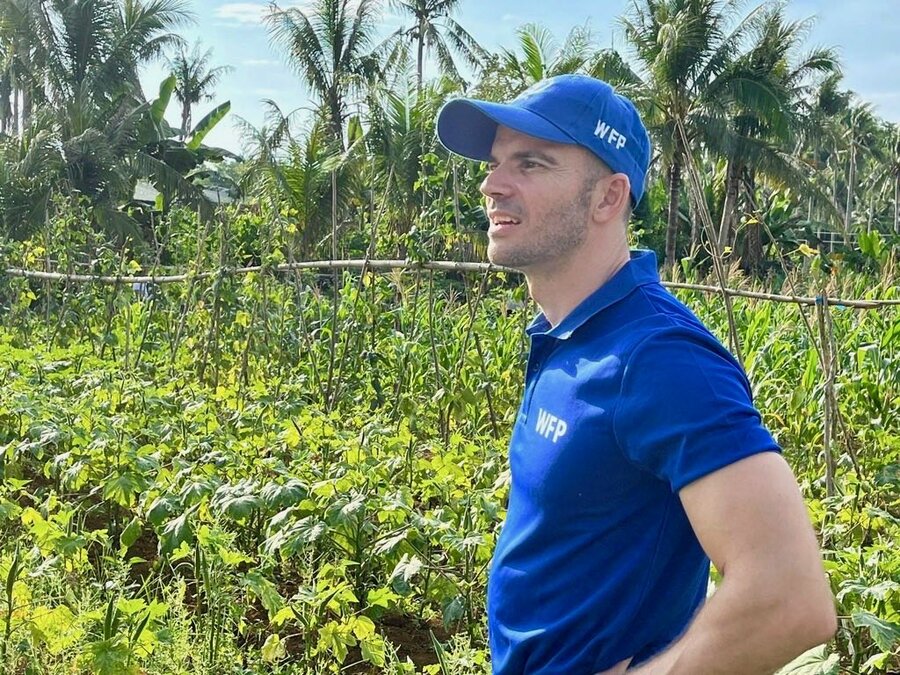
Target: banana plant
[{"x": 172, "y": 165}]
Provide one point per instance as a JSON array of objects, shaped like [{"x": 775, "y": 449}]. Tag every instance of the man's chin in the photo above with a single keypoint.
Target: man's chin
[
  {"x": 506, "y": 255},
  {"x": 496, "y": 257},
  {"x": 506, "y": 261}
]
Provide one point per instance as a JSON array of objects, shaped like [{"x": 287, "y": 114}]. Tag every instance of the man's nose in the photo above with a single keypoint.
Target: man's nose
[{"x": 496, "y": 184}]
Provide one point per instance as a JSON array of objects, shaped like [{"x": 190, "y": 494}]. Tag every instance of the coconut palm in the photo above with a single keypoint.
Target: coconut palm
[
  {"x": 295, "y": 174},
  {"x": 396, "y": 143},
  {"x": 401, "y": 132},
  {"x": 434, "y": 30},
  {"x": 756, "y": 134},
  {"x": 28, "y": 166},
  {"x": 93, "y": 48},
  {"x": 330, "y": 48},
  {"x": 88, "y": 98},
  {"x": 539, "y": 55},
  {"x": 83, "y": 55},
  {"x": 892, "y": 170},
  {"x": 16, "y": 62},
  {"x": 819, "y": 136},
  {"x": 194, "y": 80},
  {"x": 860, "y": 142},
  {"x": 680, "y": 46},
  {"x": 696, "y": 73}
]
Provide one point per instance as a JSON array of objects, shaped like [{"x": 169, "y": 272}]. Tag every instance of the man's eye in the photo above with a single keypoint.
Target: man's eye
[{"x": 528, "y": 164}]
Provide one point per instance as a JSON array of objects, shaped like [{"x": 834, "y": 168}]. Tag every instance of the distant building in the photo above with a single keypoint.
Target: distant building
[{"x": 146, "y": 193}]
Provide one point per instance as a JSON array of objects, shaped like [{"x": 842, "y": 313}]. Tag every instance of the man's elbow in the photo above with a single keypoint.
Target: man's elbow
[
  {"x": 827, "y": 623},
  {"x": 813, "y": 618}
]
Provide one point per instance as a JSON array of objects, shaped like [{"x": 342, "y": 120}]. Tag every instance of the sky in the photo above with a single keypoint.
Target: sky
[{"x": 865, "y": 32}]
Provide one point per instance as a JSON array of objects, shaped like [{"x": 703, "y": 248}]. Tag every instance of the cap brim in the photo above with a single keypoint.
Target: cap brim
[{"x": 467, "y": 127}]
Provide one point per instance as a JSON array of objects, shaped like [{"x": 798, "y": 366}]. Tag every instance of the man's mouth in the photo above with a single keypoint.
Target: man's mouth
[{"x": 500, "y": 219}]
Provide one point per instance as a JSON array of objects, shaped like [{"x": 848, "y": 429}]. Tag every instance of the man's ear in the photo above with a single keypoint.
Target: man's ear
[{"x": 612, "y": 198}]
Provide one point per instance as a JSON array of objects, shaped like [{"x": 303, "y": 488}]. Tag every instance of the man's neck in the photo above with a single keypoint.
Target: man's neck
[{"x": 560, "y": 290}]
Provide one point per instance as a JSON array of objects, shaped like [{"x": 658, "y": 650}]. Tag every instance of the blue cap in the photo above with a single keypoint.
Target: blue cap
[{"x": 573, "y": 109}]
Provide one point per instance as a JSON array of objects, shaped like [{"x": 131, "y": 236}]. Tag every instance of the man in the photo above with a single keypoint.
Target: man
[{"x": 637, "y": 455}]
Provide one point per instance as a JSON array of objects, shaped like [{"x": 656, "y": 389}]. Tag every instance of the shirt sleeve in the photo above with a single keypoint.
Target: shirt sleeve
[{"x": 685, "y": 408}]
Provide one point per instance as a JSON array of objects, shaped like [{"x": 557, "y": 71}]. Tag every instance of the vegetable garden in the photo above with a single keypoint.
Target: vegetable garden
[
  {"x": 304, "y": 471},
  {"x": 226, "y": 448}
]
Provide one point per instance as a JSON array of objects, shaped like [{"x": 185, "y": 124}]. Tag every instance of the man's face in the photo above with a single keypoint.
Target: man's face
[{"x": 538, "y": 200}]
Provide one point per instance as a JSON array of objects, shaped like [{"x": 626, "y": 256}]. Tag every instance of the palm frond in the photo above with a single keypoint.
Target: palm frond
[
  {"x": 171, "y": 183},
  {"x": 292, "y": 30}
]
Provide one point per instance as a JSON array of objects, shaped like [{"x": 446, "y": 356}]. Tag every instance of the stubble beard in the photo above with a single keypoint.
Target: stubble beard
[{"x": 557, "y": 233}]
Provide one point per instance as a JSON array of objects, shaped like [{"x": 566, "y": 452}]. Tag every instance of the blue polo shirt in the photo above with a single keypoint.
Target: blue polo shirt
[{"x": 626, "y": 401}]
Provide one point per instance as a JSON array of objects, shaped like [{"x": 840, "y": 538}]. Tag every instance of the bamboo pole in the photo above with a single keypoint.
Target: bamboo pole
[
  {"x": 436, "y": 265},
  {"x": 827, "y": 395},
  {"x": 695, "y": 192}
]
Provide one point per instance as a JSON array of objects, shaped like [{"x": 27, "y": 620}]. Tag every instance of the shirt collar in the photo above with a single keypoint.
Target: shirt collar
[{"x": 638, "y": 271}]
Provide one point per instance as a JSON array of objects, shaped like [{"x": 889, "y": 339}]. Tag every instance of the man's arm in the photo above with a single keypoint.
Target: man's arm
[{"x": 774, "y": 601}]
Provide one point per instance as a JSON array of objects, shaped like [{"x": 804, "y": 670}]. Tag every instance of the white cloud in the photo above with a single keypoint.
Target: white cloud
[
  {"x": 259, "y": 62},
  {"x": 252, "y": 13},
  {"x": 241, "y": 12}
]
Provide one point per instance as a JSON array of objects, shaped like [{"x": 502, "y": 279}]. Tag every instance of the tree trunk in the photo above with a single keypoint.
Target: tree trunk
[
  {"x": 5, "y": 100},
  {"x": 897, "y": 204},
  {"x": 871, "y": 214},
  {"x": 851, "y": 186},
  {"x": 754, "y": 255},
  {"x": 420, "y": 57},
  {"x": 696, "y": 224},
  {"x": 753, "y": 249},
  {"x": 729, "y": 208},
  {"x": 26, "y": 107},
  {"x": 15, "y": 110},
  {"x": 672, "y": 220},
  {"x": 834, "y": 182},
  {"x": 336, "y": 122},
  {"x": 185, "y": 119}
]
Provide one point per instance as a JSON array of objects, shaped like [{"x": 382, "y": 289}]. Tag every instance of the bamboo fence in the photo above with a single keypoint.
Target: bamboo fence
[
  {"x": 822, "y": 335},
  {"x": 436, "y": 265}
]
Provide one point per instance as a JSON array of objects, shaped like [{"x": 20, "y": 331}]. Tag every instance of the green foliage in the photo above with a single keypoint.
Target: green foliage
[
  {"x": 270, "y": 472},
  {"x": 234, "y": 468},
  {"x": 814, "y": 662}
]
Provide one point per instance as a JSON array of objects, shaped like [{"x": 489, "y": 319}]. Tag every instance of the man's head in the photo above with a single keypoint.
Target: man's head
[
  {"x": 567, "y": 109},
  {"x": 567, "y": 163}
]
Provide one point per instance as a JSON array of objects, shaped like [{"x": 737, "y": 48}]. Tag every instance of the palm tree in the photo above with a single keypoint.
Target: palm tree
[
  {"x": 540, "y": 55},
  {"x": 678, "y": 45},
  {"x": 194, "y": 81},
  {"x": 295, "y": 174},
  {"x": 329, "y": 46},
  {"x": 434, "y": 29},
  {"x": 756, "y": 134},
  {"x": 861, "y": 141},
  {"x": 87, "y": 97},
  {"x": 22, "y": 62},
  {"x": 94, "y": 47},
  {"x": 28, "y": 165},
  {"x": 695, "y": 73},
  {"x": 892, "y": 169},
  {"x": 79, "y": 55},
  {"x": 846, "y": 141},
  {"x": 879, "y": 167},
  {"x": 401, "y": 132},
  {"x": 820, "y": 134}
]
